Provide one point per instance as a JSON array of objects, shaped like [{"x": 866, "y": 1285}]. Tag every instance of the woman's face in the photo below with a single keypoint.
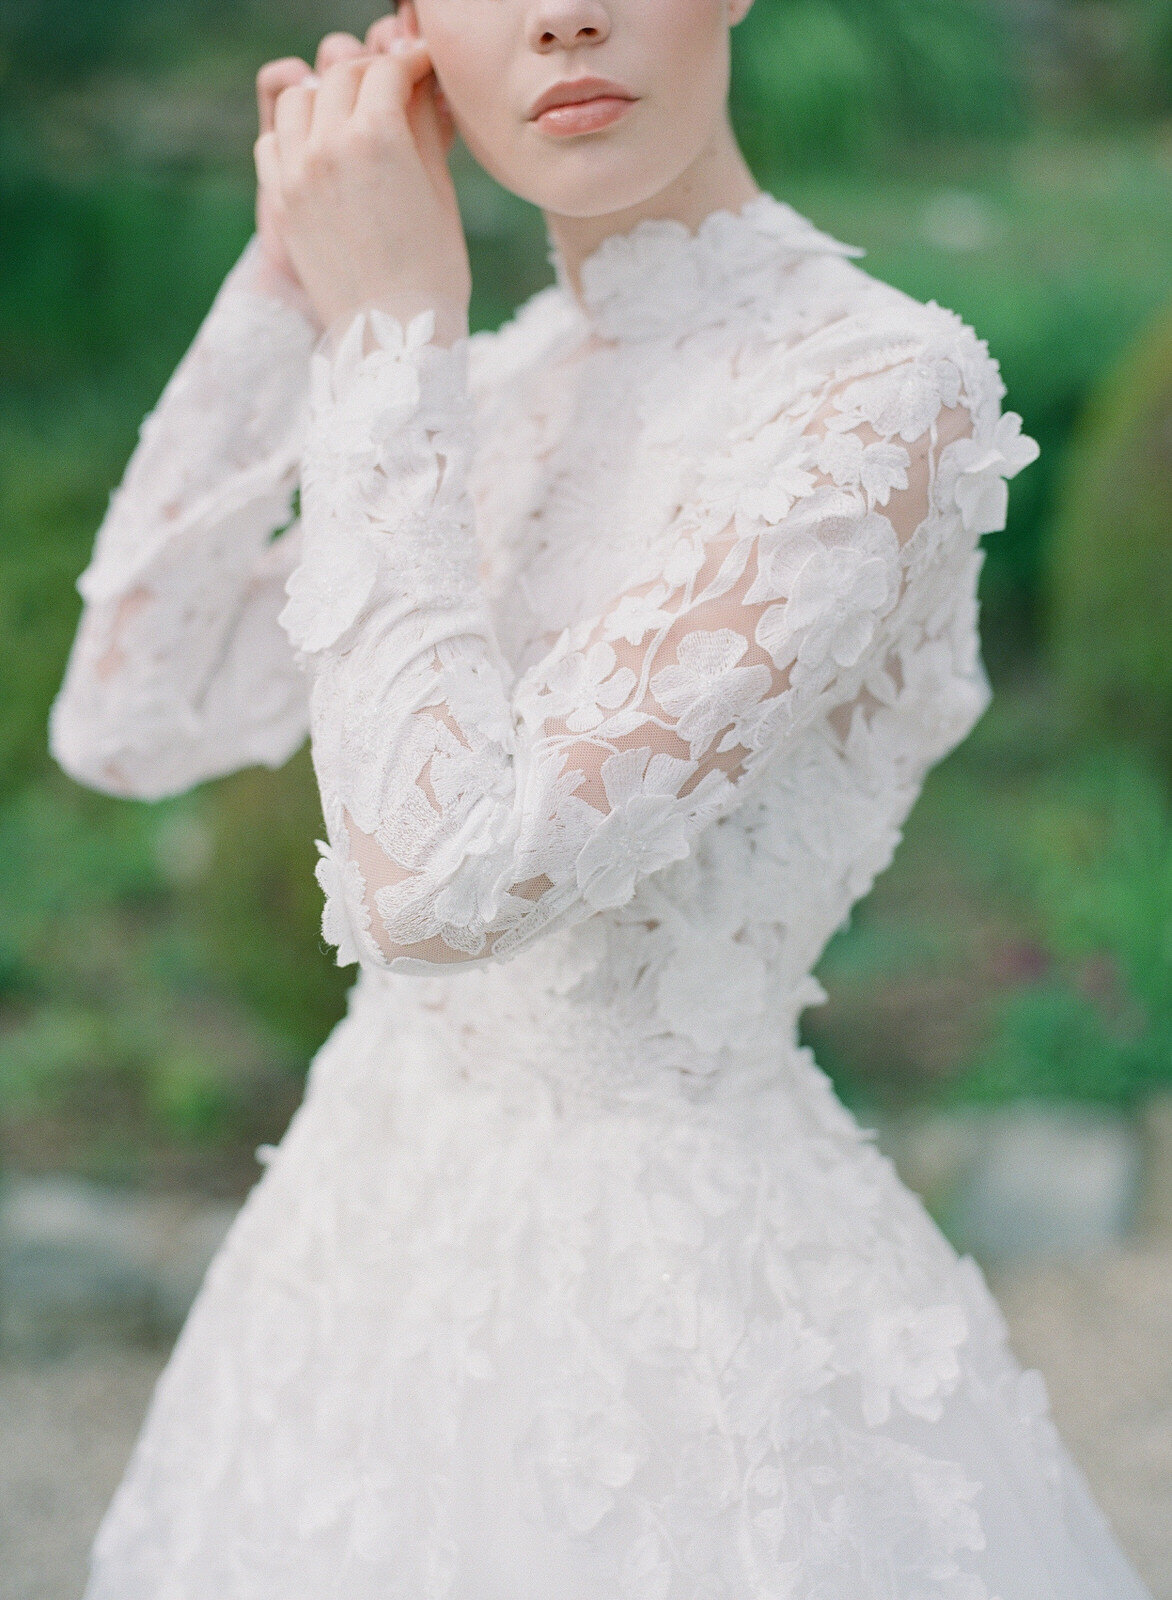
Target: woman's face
[{"x": 662, "y": 66}]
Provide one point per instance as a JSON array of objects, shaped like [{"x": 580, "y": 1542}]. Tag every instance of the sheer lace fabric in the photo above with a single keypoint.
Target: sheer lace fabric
[
  {"x": 625, "y": 638},
  {"x": 178, "y": 671}
]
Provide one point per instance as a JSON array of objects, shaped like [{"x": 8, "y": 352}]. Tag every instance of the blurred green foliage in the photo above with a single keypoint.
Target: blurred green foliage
[
  {"x": 1119, "y": 56},
  {"x": 162, "y": 976},
  {"x": 1110, "y": 587},
  {"x": 122, "y": 1052},
  {"x": 60, "y": 41},
  {"x": 1092, "y": 849},
  {"x": 852, "y": 84},
  {"x": 259, "y": 905},
  {"x": 1021, "y": 945}
]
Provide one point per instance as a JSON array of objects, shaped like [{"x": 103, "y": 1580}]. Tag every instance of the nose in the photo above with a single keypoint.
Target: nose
[{"x": 562, "y": 24}]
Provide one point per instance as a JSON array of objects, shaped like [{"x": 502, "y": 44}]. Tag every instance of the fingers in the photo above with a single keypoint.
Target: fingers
[
  {"x": 400, "y": 89},
  {"x": 390, "y": 80},
  {"x": 380, "y": 38},
  {"x": 375, "y": 93},
  {"x": 293, "y": 115},
  {"x": 409, "y": 17},
  {"x": 268, "y": 165},
  {"x": 336, "y": 94},
  {"x": 337, "y": 47},
  {"x": 382, "y": 34},
  {"x": 445, "y": 121},
  {"x": 276, "y": 76},
  {"x": 430, "y": 126},
  {"x": 272, "y": 78}
]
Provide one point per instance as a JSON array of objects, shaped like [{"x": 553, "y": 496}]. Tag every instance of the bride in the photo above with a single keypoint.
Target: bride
[{"x": 624, "y": 637}]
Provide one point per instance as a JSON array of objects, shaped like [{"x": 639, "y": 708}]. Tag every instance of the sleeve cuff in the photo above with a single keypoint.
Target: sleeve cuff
[{"x": 384, "y": 502}]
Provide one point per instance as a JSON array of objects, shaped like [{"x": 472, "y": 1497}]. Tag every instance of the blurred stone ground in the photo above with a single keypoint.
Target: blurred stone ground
[
  {"x": 1100, "y": 1332},
  {"x": 67, "y": 1424},
  {"x": 1069, "y": 1213}
]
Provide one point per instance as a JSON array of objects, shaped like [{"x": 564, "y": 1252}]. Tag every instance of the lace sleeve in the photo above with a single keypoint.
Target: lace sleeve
[
  {"x": 179, "y": 670},
  {"x": 467, "y": 812}
]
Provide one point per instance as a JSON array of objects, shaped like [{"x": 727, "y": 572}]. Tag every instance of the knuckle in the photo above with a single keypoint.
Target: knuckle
[
  {"x": 335, "y": 44},
  {"x": 340, "y": 71},
  {"x": 317, "y": 162},
  {"x": 380, "y": 33},
  {"x": 279, "y": 71}
]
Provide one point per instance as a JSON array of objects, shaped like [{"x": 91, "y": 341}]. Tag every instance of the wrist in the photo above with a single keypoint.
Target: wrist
[
  {"x": 451, "y": 317},
  {"x": 451, "y": 323},
  {"x": 274, "y": 281}
]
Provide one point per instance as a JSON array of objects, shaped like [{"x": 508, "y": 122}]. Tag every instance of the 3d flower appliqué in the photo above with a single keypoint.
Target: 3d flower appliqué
[
  {"x": 977, "y": 470},
  {"x": 644, "y": 828},
  {"x": 345, "y": 918},
  {"x": 706, "y": 689},
  {"x": 583, "y": 686},
  {"x": 832, "y": 612}
]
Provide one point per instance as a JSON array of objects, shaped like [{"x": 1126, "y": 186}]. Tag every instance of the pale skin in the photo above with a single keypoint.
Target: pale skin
[{"x": 355, "y": 204}]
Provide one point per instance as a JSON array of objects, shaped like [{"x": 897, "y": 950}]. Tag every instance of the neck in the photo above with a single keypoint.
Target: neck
[{"x": 718, "y": 180}]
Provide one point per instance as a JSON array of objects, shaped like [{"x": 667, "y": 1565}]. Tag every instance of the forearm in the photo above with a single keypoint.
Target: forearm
[
  {"x": 157, "y": 691},
  {"x": 224, "y": 436},
  {"x": 388, "y": 614},
  {"x": 185, "y": 677}
]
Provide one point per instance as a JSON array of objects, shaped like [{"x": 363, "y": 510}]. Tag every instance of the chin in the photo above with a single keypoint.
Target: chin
[
  {"x": 595, "y": 199},
  {"x": 588, "y": 178}
]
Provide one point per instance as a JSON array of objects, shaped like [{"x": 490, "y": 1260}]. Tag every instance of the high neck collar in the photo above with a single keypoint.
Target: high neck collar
[{"x": 661, "y": 278}]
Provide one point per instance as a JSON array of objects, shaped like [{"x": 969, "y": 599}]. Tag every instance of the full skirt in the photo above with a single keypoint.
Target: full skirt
[{"x": 471, "y": 1340}]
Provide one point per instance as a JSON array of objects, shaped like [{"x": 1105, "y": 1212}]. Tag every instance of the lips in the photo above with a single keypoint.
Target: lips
[{"x": 581, "y": 105}]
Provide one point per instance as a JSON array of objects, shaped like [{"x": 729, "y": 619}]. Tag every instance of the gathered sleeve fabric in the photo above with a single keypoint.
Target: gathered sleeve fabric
[
  {"x": 179, "y": 670},
  {"x": 470, "y": 809}
]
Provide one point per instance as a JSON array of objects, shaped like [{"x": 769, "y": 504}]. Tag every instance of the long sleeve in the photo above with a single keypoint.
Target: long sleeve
[
  {"x": 469, "y": 810},
  {"x": 179, "y": 671}
]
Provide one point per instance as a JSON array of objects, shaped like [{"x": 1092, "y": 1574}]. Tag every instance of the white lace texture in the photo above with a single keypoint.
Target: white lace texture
[
  {"x": 625, "y": 638},
  {"x": 179, "y": 671}
]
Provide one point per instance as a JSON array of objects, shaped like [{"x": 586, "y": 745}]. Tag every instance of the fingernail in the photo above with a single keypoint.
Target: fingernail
[
  {"x": 404, "y": 47},
  {"x": 310, "y": 80}
]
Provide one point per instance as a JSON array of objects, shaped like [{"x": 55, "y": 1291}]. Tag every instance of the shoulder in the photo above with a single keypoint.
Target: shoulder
[
  {"x": 857, "y": 360},
  {"x": 853, "y": 330},
  {"x": 933, "y": 356}
]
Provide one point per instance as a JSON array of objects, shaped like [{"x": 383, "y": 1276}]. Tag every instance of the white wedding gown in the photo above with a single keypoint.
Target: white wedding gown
[{"x": 625, "y": 638}]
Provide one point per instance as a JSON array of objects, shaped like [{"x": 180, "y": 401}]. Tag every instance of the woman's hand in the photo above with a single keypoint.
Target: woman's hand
[
  {"x": 278, "y": 274},
  {"x": 356, "y": 184}
]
